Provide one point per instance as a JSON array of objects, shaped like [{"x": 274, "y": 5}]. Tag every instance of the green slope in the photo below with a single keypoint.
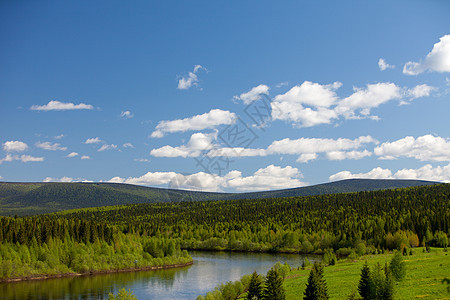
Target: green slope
[{"x": 36, "y": 198}]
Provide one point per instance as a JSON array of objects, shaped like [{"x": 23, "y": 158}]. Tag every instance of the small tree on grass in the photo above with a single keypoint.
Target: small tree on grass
[
  {"x": 123, "y": 295},
  {"x": 397, "y": 266},
  {"x": 316, "y": 287},
  {"x": 255, "y": 287},
  {"x": 274, "y": 289},
  {"x": 365, "y": 283}
]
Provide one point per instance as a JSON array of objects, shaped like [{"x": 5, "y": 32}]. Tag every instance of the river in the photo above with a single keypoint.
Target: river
[{"x": 209, "y": 270}]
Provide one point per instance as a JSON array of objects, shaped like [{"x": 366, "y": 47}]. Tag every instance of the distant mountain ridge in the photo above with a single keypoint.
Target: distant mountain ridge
[{"x": 35, "y": 198}]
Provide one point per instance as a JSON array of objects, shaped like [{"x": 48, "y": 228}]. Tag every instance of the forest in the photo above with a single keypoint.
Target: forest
[{"x": 348, "y": 224}]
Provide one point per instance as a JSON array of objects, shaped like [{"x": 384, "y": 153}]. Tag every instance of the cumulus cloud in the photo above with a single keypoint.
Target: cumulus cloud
[
  {"x": 383, "y": 65},
  {"x": 306, "y": 148},
  {"x": 427, "y": 172},
  {"x": 197, "y": 143},
  {"x": 22, "y": 158},
  {"x": 57, "y": 105},
  {"x": 271, "y": 177},
  {"x": 107, "y": 147},
  {"x": 72, "y": 154},
  {"x": 254, "y": 94},
  {"x": 311, "y": 104},
  {"x": 211, "y": 119},
  {"x": 14, "y": 146},
  {"x": 126, "y": 114},
  {"x": 58, "y": 137},
  {"x": 341, "y": 155},
  {"x": 424, "y": 148},
  {"x": 50, "y": 146},
  {"x": 438, "y": 60},
  {"x": 191, "y": 79},
  {"x": 85, "y": 157},
  {"x": 95, "y": 140}
]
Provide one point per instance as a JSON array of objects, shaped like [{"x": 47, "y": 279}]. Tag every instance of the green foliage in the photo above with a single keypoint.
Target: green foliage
[
  {"x": 377, "y": 284},
  {"x": 316, "y": 288},
  {"x": 254, "y": 287},
  {"x": 36, "y": 198},
  {"x": 123, "y": 295},
  {"x": 273, "y": 289},
  {"x": 329, "y": 257},
  {"x": 397, "y": 266}
]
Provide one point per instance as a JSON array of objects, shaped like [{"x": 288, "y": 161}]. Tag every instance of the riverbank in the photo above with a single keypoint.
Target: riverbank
[{"x": 94, "y": 272}]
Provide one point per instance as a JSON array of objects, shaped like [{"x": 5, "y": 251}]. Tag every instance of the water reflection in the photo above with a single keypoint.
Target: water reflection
[{"x": 209, "y": 270}]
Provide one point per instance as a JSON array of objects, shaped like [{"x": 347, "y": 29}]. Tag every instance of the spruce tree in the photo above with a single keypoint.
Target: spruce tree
[
  {"x": 316, "y": 287},
  {"x": 274, "y": 289},
  {"x": 254, "y": 288},
  {"x": 365, "y": 283},
  {"x": 388, "y": 288}
]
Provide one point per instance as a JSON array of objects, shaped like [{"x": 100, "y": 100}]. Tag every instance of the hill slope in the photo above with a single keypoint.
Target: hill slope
[{"x": 36, "y": 198}]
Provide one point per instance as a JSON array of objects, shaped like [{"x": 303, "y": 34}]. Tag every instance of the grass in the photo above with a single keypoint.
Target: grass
[{"x": 424, "y": 275}]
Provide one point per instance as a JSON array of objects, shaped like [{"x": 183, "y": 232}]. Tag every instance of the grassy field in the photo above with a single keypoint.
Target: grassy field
[{"x": 424, "y": 275}]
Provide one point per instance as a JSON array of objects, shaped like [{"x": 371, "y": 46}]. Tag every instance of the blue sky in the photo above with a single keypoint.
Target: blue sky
[{"x": 165, "y": 93}]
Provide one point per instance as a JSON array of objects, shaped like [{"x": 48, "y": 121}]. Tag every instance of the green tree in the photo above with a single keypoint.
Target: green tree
[
  {"x": 255, "y": 287},
  {"x": 397, "y": 266},
  {"x": 388, "y": 288},
  {"x": 316, "y": 287},
  {"x": 274, "y": 289},
  {"x": 365, "y": 286},
  {"x": 123, "y": 295}
]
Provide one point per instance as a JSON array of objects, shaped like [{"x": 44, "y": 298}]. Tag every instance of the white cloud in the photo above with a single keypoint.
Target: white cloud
[
  {"x": 93, "y": 141},
  {"x": 142, "y": 160},
  {"x": 50, "y": 146},
  {"x": 437, "y": 60},
  {"x": 211, "y": 119},
  {"x": 191, "y": 79},
  {"x": 383, "y": 65},
  {"x": 22, "y": 158},
  {"x": 128, "y": 145},
  {"x": 305, "y": 157},
  {"x": 341, "y": 155},
  {"x": 126, "y": 114},
  {"x": 14, "y": 146},
  {"x": 424, "y": 148},
  {"x": 311, "y": 93},
  {"x": 254, "y": 94},
  {"x": 65, "y": 179},
  {"x": 422, "y": 90},
  {"x": 85, "y": 157},
  {"x": 197, "y": 143},
  {"x": 72, "y": 154},
  {"x": 57, "y": 105},
  {"x": 306, "y": 148},
  {"x": 1, "y": 177},
  {"x": 311, "y": 104},
  {"x": 427, "y": 172},
  {"x": 107, "y": 147},
  {"x": 365, "y": 99},
  {"x": 271, "y": 177},
  {"x": 58, "y": 137}
]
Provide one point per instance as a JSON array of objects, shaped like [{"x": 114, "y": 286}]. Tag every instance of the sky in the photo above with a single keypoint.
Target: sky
[{"x": 229, "y": 96}]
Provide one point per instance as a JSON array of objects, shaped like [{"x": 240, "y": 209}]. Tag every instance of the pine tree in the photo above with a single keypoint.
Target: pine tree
[
  {"x": 388, "y": 288},
  {"x": 316, "y": 287},
  {"x": 254, "y": 288},
  {"x": 274, "y": 289},
  {"x": 365, "y": 282}
]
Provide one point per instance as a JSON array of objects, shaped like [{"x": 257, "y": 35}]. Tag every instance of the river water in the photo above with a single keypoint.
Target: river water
[{"x": 208, "y": 271}]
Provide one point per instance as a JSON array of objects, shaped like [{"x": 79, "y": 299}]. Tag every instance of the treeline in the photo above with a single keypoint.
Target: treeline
[
  {"x": 353, "y": 223},
  {"x": 63, "y": 256}
]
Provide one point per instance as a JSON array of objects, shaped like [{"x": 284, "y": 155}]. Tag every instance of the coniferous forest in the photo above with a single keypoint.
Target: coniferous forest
[{"x": 142, "y": 235}]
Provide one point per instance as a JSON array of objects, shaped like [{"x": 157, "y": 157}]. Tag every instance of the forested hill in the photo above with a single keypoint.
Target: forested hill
[{"x": 36, "y": 198}]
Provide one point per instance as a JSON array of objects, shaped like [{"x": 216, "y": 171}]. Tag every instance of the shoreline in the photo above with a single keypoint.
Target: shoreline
[{"x": 90, "y": 273}]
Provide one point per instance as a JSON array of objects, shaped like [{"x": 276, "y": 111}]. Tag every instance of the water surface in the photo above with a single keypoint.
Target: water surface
[{"x": 209, "y": 270}]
